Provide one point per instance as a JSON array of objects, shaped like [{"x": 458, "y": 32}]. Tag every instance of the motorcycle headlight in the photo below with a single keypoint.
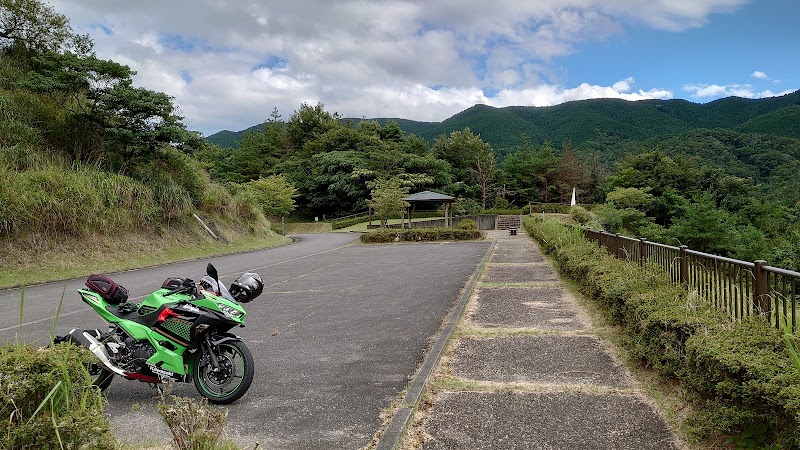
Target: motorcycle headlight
[{"x": 229, "y": 312}]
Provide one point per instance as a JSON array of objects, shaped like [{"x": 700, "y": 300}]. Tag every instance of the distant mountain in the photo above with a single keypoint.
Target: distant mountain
[{"x": 585, "y": 120}]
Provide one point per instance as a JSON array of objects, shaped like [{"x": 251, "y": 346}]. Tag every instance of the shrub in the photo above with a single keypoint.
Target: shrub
[
  {"x": 745, "y": 367},
  {"x": 505, "y": 212},
  {"x": 217, "y": 200},
  {"x": 580, "y": 215},
  {"x": 47, "y": 400},
  {"x": 349, "y": 222},
  {"x": 467, "y": 224},
  {"x": 421, "y": 234},
  {"x": 548, "y": 208},
  {"x": 739, "y": 377}
]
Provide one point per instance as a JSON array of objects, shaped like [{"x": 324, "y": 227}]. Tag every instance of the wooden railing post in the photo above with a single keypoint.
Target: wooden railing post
[
  {"x": 642, "y": 252},
  {"x": 684, "y": 270},
  {"x": 761, "y": 300},
  {"x": 616, "y": 245}
]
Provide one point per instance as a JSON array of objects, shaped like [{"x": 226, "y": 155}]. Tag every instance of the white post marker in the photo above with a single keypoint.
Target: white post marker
[{"x": 573, "y": 202}]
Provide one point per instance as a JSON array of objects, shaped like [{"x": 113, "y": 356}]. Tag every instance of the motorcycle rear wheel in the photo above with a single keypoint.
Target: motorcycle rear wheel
[
  {"x": 232, "y": 380},
  {"x": 101, "y": 377},
  {"x": 99, "y": 374}
]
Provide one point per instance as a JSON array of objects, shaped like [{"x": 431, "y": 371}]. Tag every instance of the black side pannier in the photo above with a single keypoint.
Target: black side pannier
[{"x": 108, "y": 289}]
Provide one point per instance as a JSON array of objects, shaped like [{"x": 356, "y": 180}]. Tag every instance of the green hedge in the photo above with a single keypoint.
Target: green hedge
[
  {"x": 549, "y": 208},
  {"x": 739, "y": 377},
  {"x": 505, "y": 212},
  {"x": 421, "y": 234},
  {"x": 344, "y": 223},
  {"x": 56, "y": 380}
]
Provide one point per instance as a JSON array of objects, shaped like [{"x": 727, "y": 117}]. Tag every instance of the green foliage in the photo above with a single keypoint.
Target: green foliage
[
  {"x": 387, "y": 198},
  {"x": 274, "y": 194},
  {"x": 421, "y": 234},
  {"x": 47, "y": 400},
  {"x": 747, "y": 367},
  {"x": 631, "y": 197},
  {"x": 472, "y": 159},
  {"x": 84, "y": 151},
  {"x": 84, "y": 200},
  {"x": 309, "y": 122},
  {"x": 736, "y": 375},
  {"x": 506, "y": 212},
  {"x": 349, "y": 221},
  {"x": 34, "y": 26},
  {"x": 549, "y": 208},
  {"x": 580, "y": 215},
  {"x": 466, "y": 206},
  {"x": 467, "y": 224}
]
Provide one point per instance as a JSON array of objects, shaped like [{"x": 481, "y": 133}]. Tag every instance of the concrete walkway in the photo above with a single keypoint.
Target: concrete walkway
[{"x": 525, "y": 370}]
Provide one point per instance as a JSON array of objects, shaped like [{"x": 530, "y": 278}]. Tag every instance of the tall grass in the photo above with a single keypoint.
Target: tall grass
[
  {"x": 47, "y": 399},
  {"x": 55, "y": 201}
]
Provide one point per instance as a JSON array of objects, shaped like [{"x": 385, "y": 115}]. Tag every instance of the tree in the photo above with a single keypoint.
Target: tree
[
  {"x": 274, "y": 194},
  {"x": 137, "y": 121},
  {"x": 416, "y": 145},
  {"x": 631, "y": 198},
  {"x": 392, "y": 132},
  {"x": 387, "y": 198},
  {"x": 471, "y": 158},
  {"x": 308, "y": 123},
  {"x": 258, "y": 152},
  {"x": 131, "y": 121},
  {"x": 35, "y": 26},
  {"x": 571, "y": 173},
  {"x": 529, "y": 173},
  {"x": 483, "y": 170}
]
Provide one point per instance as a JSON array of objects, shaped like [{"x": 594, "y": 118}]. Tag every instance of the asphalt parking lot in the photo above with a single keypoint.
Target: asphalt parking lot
[{"x": 338, "y": 333}]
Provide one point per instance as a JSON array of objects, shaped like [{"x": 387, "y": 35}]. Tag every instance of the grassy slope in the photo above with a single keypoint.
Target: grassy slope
[{"x": 38, "y": 260}]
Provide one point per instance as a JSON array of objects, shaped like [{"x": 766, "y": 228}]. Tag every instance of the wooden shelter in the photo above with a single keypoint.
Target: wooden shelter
[{"x": 430, "y": 198}]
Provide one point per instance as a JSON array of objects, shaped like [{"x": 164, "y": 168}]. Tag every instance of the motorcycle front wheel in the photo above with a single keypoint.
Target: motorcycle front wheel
[{"x": 231, "y": 380}]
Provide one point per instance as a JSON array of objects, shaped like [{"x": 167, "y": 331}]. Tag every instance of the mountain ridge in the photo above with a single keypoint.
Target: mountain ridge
[{"x": 580, "y": 121}]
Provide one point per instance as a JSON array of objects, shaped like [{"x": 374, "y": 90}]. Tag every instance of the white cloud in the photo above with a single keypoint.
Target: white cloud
[
  {"x": 759, "y": 74},
  {"x": 737, "y": 90},
  {"x": 548, "y": 95},
  {"x": 365, "y": 57},
  {"x": 624, "y": 85}
]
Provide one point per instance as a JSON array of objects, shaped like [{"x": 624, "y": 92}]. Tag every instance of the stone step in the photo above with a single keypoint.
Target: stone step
[{"x": 545, "y": 359}]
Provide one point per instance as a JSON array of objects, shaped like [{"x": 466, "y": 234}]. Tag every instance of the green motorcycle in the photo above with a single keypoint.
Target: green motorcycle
[{"x": 181, "y": 332}]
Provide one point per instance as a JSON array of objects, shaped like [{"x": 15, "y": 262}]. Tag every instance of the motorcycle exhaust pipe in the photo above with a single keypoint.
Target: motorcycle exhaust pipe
[
  {"x": 87, "y": 340},
  {"x": 99, "y": 350}
]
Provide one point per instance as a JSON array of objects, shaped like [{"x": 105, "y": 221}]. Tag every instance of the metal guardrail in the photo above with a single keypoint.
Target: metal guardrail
[{"x": 740, "y": 288}]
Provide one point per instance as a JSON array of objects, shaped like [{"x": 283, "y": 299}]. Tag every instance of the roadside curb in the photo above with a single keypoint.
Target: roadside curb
[{"x": 397, "y": 425}]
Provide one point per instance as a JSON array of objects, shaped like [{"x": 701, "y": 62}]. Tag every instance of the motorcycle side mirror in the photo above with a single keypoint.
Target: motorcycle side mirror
[{"x": 212, "y": 272}]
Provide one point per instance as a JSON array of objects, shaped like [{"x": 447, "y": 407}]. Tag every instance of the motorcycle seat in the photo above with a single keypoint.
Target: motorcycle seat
[{"x": 129, "y": 311}]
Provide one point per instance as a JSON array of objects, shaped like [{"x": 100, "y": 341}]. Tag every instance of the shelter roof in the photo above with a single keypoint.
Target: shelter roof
[{"x": 429, "y": 196}]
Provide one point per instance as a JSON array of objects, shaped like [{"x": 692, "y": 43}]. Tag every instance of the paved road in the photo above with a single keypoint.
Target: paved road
[{"x": 336, "y": 335}]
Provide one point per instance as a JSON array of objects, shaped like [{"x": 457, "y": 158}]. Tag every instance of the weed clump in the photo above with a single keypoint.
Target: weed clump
[
  {"x": 194, "y": 425},
  {"x": 47, "y": 400}
]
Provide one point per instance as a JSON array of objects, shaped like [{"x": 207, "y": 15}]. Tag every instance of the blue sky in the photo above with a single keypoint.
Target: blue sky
[
  {"x": 760, "y": 36},
  {"x": 228, "y": 64}
]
